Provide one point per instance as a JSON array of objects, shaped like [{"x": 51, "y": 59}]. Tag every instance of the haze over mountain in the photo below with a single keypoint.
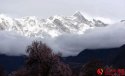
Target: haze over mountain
[{"x": 68, "y": 35}]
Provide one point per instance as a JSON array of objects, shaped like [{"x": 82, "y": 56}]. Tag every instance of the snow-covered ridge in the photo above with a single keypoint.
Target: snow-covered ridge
[{"x": 51, "y": 27}]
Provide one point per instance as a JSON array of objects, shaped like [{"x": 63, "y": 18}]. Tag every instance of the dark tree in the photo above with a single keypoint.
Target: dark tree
[
  {"x": 2, "y": 72},
  {"x": 20, "y": 72},
  {"x": 60, "y": 69},
  {"x": 41, "y": 61},
  {"x": 90, "y": 69}
]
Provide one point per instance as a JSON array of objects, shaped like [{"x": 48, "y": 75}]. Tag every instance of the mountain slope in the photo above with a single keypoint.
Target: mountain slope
[
  {"x": 11, "y": 63},
  {"x": 111, "y": 56}
]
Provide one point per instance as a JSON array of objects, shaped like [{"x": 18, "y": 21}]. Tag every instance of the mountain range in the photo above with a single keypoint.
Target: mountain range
[{"x": 53, "y": 26}]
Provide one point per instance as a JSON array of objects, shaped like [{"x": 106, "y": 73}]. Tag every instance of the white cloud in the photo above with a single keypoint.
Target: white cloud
[
  {"x": 69, "y": 44},
  {"x": 13, "y": 44},
  {"x": 102, "y": 37}
]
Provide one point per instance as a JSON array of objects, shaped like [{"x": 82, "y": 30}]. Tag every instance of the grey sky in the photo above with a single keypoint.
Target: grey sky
[{"x": 114, "y": 9}]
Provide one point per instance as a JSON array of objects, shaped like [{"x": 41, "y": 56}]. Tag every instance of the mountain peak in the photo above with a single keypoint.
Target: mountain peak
[
  {"x": 78, "y": 13},
  {"x": 33, "y": 26}
]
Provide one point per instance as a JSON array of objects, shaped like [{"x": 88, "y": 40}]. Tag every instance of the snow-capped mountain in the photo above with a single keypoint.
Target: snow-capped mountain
[{"x": 51, "y": 27}]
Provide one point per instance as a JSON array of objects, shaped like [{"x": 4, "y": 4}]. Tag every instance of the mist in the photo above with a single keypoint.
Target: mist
[
  {"x": 12, "y": 43},
  {"x": 111, "y": 36}
]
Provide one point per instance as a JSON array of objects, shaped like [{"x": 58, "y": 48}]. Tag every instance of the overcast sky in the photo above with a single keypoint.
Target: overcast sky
[{"x": 114, "y": 9}]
